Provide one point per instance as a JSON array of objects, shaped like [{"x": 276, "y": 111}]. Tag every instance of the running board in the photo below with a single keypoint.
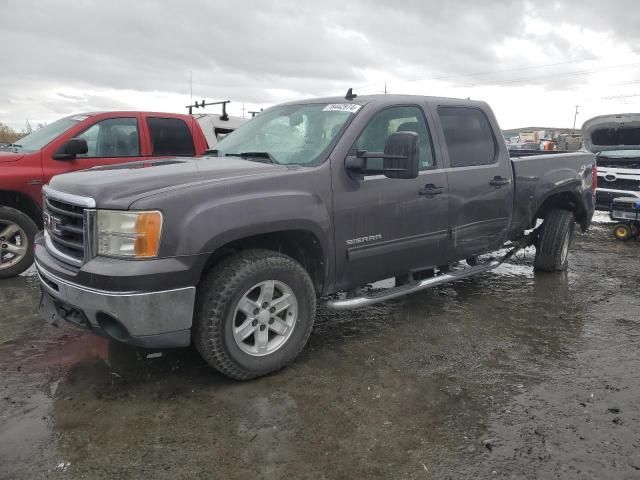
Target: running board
[{"x": 384, "y": 295}]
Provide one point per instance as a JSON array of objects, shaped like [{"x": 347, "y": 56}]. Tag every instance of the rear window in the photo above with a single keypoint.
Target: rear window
[
  {"x": 468, "y": 135},
  {"x": 170, "y": 136}
]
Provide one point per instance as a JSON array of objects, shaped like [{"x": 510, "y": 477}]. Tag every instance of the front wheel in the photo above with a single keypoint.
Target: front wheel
[
  {"x": 255, "y": 312},
  {"x": 552, "y": 246},
  {"x": 17, "y": 232}
]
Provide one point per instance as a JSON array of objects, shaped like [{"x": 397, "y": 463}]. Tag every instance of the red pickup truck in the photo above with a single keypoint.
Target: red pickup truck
[{"x": 74, "y": 143}]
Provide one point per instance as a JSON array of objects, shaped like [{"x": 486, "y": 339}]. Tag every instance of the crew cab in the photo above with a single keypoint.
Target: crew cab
[
  {"x": 79, "y": 142},
  {"x": 616, "y": 141},
  {"x": 307, "y": 202}
]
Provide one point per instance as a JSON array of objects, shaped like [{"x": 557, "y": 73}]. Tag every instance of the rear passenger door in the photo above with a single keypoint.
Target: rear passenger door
[
  {"x": 480, "y": 181},
  {"x": 169, "y": 137}
]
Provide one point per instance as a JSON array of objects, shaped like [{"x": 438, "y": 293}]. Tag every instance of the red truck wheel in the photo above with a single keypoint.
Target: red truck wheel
[{"x": 17, "y": 232}]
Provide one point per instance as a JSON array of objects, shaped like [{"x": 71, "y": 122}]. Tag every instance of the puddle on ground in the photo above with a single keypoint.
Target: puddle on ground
[{"x": 419, "y": 383}]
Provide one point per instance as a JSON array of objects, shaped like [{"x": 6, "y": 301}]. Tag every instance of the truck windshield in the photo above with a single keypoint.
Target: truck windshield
[
  {"x": 39, "y": 138},
  {"x": 289, "y": 134}
]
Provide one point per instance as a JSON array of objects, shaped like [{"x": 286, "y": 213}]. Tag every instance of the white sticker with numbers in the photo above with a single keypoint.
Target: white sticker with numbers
[{"x": 342, "y": 107}]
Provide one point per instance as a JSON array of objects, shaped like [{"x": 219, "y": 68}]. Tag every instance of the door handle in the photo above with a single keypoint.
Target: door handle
[
  {"x": 499, "y": 181},
  {"x": 430, "y": 190}
]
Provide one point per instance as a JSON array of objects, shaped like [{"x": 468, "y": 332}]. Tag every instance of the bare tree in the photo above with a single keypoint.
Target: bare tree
[{"x": 8, "y": 134}]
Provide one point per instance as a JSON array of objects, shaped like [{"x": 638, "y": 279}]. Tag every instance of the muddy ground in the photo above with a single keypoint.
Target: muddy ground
[{"x": 505, "y": 375}]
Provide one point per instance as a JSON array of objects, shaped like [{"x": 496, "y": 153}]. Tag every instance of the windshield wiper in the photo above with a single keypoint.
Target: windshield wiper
[
  {"x": 258, "y": 156},
  {"x": 213, "y": 152}
]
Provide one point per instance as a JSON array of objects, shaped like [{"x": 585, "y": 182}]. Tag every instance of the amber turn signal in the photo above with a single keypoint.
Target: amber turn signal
[{"x": 148, "y": 229}]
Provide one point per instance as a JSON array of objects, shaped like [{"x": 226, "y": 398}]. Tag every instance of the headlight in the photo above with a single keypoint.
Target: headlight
[{"x": 129, "y": 234}]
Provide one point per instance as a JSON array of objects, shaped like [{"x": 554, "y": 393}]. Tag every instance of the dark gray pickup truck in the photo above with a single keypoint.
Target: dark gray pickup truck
[{"x": 308, "y": 200}]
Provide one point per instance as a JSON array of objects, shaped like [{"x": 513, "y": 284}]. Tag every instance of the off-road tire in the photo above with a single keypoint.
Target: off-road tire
[
  {"x": 551, "y": 241},
  {"x": 30, "y": 228},
  {"x": 216, "y": 300}
]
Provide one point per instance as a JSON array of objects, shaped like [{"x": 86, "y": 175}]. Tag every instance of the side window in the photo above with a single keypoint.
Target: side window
[
  {"x": 115, "y": 137},
  {"x": 391, "y": 120},
  {"x": 170, "y": 136},
  {"x": 469, "y": 136}
]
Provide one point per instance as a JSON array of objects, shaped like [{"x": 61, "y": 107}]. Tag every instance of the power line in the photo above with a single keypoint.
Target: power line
[
  {"x": 519, "y": 79},
  {"x": 489, "y": 72},
  {"x": 557, "y": 75},
  {"x": 515, "y": 69}
]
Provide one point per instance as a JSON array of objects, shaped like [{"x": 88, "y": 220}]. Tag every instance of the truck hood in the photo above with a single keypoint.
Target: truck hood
[
  {"x": 612, "y": 132},
  {"x": 8, "y": 156},
  {"x": 118, "y": 186}
]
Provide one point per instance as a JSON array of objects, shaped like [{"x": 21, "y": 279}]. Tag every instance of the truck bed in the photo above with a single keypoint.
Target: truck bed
[{"x": 539, "y": 176}]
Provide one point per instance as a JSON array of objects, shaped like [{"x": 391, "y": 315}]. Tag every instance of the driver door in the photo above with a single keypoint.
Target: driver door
[
  {"x": 109, "y": 141},
  {"x": 386, "y": 227}
]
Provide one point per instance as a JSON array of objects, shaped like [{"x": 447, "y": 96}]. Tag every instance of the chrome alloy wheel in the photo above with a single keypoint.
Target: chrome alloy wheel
[
  {"x": 13, "y": 244},
  {"x": 265, "y": 317}
]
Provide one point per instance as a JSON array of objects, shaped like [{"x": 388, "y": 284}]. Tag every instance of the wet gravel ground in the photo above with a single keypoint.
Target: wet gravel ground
[{"x": 505, "y": 375}]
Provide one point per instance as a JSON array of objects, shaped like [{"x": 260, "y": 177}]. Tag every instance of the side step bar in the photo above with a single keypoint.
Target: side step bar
[{"x": 384, "y": 295}]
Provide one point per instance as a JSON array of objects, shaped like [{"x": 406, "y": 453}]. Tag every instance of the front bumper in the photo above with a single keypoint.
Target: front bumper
[{"x": 157, "y": 319}]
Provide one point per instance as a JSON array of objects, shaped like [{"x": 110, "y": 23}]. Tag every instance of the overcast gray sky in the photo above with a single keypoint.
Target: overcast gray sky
[{"x": 532, "y": 61}]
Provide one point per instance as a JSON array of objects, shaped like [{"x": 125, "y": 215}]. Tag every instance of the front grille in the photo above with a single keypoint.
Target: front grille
[
  {"x": 619, "y": 184},
  {"x": 633, "y": 164},
  {"x": 65, "y": 225}
]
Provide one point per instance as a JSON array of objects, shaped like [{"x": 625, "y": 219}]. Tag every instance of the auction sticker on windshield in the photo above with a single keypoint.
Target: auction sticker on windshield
[{"x": 342, "y": 107}]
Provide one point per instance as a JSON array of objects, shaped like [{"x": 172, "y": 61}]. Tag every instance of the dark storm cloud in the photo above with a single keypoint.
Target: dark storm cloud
[{"x": 245, "y": 49}]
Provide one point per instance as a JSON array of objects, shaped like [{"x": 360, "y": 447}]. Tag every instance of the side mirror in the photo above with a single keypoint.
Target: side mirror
[
  {"x": 400, "y": 158},
  {"x": 401, "y": 155},
  {"x": 71, "y": 148}
]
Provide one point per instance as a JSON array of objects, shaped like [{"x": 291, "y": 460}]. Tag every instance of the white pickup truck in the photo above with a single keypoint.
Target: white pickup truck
[{"x": 616, "y": 141}]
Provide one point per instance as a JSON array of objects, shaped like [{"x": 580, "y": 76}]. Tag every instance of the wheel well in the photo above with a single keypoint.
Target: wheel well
[
  {"x": 565, "y": 201},
  {"x": 301, "y": 245},
  {"x": 23, "y": 203}
]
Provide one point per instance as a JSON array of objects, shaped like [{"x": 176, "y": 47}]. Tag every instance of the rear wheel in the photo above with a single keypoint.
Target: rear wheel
[
  {"x": 635, "y": 229},
  {"x": 255, "y": 312},
  {"x": 17, "y": 232},
  {"x": 622, "y": 232},
  {"x": 552, "y": 246}
]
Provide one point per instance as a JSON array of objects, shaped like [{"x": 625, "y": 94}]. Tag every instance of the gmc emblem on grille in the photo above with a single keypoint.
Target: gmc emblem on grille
[{"x": 52, "y": 223}]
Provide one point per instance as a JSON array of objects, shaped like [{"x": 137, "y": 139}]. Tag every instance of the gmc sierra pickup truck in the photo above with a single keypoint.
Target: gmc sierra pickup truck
[
  {"x": 82, "y": 141},
  {"x": 309, "y": 200}
]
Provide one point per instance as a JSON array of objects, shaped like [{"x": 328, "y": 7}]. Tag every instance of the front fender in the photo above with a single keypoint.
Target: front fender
[{"x": 217, "y": 223}]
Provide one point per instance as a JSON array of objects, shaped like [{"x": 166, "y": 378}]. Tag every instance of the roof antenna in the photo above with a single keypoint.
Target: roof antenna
[{"x": 350, "y": 95}]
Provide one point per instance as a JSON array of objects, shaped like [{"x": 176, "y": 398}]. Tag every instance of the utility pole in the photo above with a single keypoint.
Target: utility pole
[
  {"x": 575, "y": 117},
  {"x": 385, "y": 87}
]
